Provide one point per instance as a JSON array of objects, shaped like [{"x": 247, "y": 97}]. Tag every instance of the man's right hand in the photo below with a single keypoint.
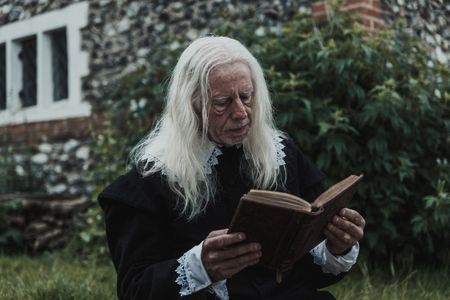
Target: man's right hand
[{"x": 224, "y": 255}]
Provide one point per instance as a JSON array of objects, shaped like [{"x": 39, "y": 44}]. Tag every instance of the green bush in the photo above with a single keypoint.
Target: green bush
[
  {"x": 372, "y": 105},
  {"x": 10, "y": 236},
  {"x": 88, "y": 241},
  {"x": 376, "y": 105},
  {"x": 15, "y": 176}
]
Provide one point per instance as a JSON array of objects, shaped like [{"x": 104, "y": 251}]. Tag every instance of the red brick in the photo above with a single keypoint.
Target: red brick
[
  {"x": 363, "y": 8},
  {"x": 318, "y": 5},
  {"x": 51, "y": 131},
  {"x": 365, "y": 22},
  {"x": 351, "y": 2},
  {"x": 365, "y": 11},
  {"x": 319, "y": 8},
  {"x": 378, "y": 25},
  {"x": 377, "y": 4},
  {"x": 320, "y": 11}
]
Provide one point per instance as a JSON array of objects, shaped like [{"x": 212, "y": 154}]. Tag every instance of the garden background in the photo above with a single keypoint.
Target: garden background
[{"x": 355, "y": 100}]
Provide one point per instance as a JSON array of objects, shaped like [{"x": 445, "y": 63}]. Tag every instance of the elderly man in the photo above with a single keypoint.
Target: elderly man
[{"x": 167, "y": 218}]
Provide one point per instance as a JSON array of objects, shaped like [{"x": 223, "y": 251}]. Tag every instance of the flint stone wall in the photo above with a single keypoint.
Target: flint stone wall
[
  {"x": 52, "y": 168},
  {"x": 428, "y": 19}
]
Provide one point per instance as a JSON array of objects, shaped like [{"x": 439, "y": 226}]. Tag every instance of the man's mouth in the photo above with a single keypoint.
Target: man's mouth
[{"x": 239, "y": 130}]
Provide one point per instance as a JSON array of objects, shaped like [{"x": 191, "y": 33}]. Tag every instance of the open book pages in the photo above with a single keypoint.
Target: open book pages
[
  {"x": 335, "y": 190},
  {"x": 278, "y": 199}
]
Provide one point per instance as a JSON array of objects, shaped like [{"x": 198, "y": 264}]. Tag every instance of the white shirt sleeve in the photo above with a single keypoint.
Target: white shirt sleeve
[
  {"x": 192, "y": 275},
  {"x": 334, "y": 264}
]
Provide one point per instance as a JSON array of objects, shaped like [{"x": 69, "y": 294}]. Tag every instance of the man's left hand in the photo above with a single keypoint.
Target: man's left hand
[{"x": 344, "y": 230}]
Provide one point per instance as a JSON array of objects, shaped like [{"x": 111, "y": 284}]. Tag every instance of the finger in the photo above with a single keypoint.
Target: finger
[
  {"x": 221, "y": 241},
  {"x": 230, "y": 253},
  {"x": 228, "y": 268},
  {"x": 242, "y": 260},
  {"x": 348, "y": 227},
  {"x": 341, "y": 235},
  {"x": 229, "y": 272},
  {"x": 335, "y": 243},
  {"x": 353, "y": 216},
  {"x": 217, "y": 232}
]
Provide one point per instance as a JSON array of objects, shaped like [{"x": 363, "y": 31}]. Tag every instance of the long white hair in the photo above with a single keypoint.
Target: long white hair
[{"x": 177, "y": 145}]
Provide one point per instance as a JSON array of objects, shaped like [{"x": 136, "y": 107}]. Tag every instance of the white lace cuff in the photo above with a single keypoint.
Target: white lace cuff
[
  {"x": 192, "y": 275},
  {"x": 334, "y": 264},
  {"x": 220, "y": 289}
]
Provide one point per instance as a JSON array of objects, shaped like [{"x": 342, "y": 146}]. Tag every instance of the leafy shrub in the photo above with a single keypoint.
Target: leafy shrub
[
  {"x": 89, "y": 240},
  {"x": 355, "y": 103},
  {"x": 10, "y": 236},
  {"x": 15, "y": 176},
  {"x": 372, "y": 105}
]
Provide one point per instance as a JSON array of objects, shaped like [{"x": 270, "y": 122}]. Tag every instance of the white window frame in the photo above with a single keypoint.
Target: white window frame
[{"x": 73, "y": 18}]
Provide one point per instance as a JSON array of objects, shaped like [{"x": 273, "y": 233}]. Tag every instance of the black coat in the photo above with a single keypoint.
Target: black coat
[{"x": 146, "y": 236}]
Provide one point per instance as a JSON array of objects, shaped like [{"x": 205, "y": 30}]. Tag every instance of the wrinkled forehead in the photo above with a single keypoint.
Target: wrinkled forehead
[
  {"x": 236, "y": 74},
  {"x": 229, "y": 68}
]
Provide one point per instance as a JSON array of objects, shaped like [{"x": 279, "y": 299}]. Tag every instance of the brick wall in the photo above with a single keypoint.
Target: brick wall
[
  {"x": 368, "y": 12},
  {"x": 51, "y": 131}
]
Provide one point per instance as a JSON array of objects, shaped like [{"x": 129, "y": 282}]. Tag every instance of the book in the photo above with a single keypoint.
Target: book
[{"x": 286, "y": 226}]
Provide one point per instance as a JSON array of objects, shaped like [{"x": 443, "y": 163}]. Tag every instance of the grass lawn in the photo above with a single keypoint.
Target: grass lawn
[
  {"x": 420, "y": 284},
  {"x": 52, "y": 277}
]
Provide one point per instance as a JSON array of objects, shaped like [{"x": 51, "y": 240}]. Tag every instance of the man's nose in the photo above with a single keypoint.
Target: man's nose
[{"x": 238, "y": 109}]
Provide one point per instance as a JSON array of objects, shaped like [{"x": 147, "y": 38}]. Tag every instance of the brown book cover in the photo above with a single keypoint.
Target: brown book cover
[{"x": 286, "y": 226}]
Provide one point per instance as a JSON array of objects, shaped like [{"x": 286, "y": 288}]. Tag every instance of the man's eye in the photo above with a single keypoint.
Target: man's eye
[
  {"x": 246, "y": 98},
  {"x": 220, "y": 105}
]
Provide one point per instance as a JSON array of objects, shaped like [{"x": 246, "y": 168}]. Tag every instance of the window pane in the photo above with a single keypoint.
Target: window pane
[
  {"x": 29, "y": 80},
  {"x": 2, "y": 77},
  {"x": 59, "y": 64}
]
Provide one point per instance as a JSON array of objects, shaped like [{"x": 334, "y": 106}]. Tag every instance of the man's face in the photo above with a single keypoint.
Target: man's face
[{"x": 231, "y": 93}]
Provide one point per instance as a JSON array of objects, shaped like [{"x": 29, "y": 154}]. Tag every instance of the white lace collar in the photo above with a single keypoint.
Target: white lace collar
[
  {"x": 279, "y": 146},
  {"x": 210, "y": 157},
  {"x": 214, "y": 151}
]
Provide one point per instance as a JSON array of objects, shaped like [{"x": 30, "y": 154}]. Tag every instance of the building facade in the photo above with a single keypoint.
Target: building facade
[{"x": 59, "y": 61}]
